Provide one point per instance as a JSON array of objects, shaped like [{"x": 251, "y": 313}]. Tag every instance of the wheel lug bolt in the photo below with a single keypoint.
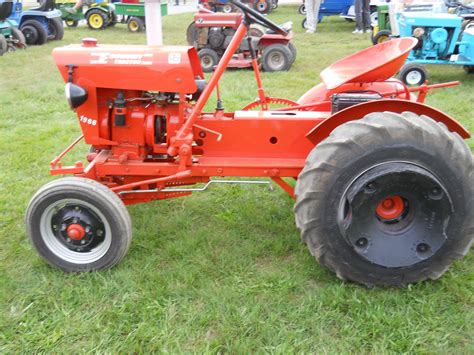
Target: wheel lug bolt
[
  {"x": 361, "y": 242},
  {"x": 63, "y": 227},
  {"x": 99, "y": 232},
  {"x": 83, "y": 241},
  {"x": 88, "y": 229},
  {"x": 422, "y": 247},
  {"x": 68, "y": 240},
  {"x": 74, "y": 220}
]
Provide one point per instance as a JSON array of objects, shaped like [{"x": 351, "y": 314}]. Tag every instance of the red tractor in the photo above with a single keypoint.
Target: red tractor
[
  {"x": 211, "y": 33},
  {"x": 384, "y": 192}
]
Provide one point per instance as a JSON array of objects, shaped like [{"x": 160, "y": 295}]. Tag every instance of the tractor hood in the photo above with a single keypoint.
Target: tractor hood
[{"x": 131, "y": 67}]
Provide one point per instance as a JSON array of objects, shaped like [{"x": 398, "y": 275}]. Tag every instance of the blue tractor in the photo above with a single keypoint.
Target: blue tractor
[
  {"x": 443, "y": 38},
  {"x": 11, "y": 37},
  {"x": 39, "y": 24}
]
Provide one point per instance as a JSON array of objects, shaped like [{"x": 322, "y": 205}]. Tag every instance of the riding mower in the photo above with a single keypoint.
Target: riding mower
[
  {"x": 441, "y": 39},
  {"x": 262, "y": 6},
  {"x": 383, "y": 194},
  {"x": 38, "y": 24},
  {"x": 211, "y": 33},
  {"x": 98, "y": 15},
  {"x": 11, "y": 37}
]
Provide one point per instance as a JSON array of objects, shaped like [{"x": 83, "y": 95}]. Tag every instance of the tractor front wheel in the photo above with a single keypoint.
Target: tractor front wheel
[
  {"x": 413, "y": 74},
  {"x": 96, "y": 19},
  {"x": 71, "y": 23},
  {"x": 387, "y": 200},
  {"x": 19, "y": 38},
  {"x": 381, "y": 36},
  {"x": 56, "y": 29},
  {"x": 34, "y": 32},
  {"x": 276, "y": 57},
  {"x": 135, "y": 24},
  {"x": 78, "y": 224},
  {"x": 209, "y": 59},
  {"x": 3, "y": 45}
]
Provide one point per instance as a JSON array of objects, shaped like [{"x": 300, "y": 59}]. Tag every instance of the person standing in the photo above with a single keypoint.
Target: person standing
[
  {"x": 362, "y": 12},
  {"x": 312, "y": 14}
]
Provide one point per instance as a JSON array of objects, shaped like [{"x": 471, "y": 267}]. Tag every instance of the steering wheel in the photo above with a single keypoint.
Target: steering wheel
[{"x": 258, "y": 18}]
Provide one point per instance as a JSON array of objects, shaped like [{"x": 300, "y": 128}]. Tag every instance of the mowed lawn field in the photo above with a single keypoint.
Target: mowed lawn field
[{"x": 222, "y": 271}]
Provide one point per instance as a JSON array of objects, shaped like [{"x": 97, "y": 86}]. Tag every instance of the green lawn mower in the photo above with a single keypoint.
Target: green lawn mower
[
  {"x": 99, "y": 14},
  {"x": 11, "y": 37}
]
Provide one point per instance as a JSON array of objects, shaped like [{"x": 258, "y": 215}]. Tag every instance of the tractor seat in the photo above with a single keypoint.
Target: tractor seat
[
  {"x": 287, "y": 26},
  {"x": 45, "y": 5},
  {"x": 5, "y": 10}
]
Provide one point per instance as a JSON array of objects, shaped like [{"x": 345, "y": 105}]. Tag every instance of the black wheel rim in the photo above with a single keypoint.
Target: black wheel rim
[
  {"x": 78, "y": 227},
  {"x": 31, "y": 34},
  {"x": 395, "y": 214}
]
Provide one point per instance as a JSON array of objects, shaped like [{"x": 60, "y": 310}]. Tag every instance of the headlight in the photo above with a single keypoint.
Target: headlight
[{"x": 75, "y": 95}]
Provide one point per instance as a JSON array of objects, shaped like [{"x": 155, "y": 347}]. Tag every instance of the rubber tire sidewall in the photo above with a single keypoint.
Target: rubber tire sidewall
[
  {"x": 407, "y": 68},
  {"x": 106, "y": 201},
  {"x": 354, "y": 267},
  {"x": 18, "y": 35}
]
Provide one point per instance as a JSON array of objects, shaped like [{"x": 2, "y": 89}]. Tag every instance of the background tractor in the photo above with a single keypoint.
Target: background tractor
[
  {"x": 98, "y": 15},
  {"x": 11, "y": 38},
  {"x": 211, "y": 33},
  {"x": 382, "y": 182},
  {"x": 38, "y": 24}
]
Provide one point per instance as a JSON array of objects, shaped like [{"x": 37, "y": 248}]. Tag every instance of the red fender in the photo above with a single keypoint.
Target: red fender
[{"x": 324, "y": 129}]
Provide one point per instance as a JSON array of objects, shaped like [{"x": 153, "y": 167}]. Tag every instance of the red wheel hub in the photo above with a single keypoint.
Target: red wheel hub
[
  {"x": 75, "y": 231},
  {"x": 390, "y": 208}
]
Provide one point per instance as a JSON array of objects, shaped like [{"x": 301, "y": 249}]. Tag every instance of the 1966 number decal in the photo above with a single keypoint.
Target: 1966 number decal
[{"x": 87, "y": 120}]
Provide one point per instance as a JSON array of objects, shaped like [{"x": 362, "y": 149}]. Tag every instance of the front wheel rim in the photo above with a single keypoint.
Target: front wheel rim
[
  {"x": 395, "y": 215},
  {"x": 96, "y": 21},
  {"x": 75, "y": 231},
  {"x": 133, "y": 25},
  {"x": 276, "y": 61},
  {"x": 414, "y": 77}
]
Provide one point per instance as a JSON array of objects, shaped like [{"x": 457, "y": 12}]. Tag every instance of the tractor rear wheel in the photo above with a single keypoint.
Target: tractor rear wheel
[
  {"x": 3, "y": 45},
  {"x": 71, "y": 23},
  {"x": 135, "y": 24},
  {"x": 302, "y": 10},
  {"x": 19, "y": 38},
  {"x": 78, "y": 224},
  {"x": 209, "y": 59},
  {"x": 381, "y": 36},
  {"x": 276, "y": 57},
  {"x": 35, "y": 33},
  {"x": 413, "y": 74},
  {"x": 387, "y": 200},
  {"x": 263, "y": 6},
  {"x": 96, "y": 19},
  {"x": 56, "y": 29},
  {"x": 192, "y": 34},
  {"x": 469, "y": 69}
]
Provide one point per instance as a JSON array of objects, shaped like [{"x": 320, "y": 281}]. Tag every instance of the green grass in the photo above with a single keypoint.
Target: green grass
[{"x": 220, "y": 271}]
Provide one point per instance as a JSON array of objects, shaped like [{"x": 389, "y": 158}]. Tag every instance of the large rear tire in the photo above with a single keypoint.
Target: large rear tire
[
  {"x": 78, "y": 224},
  {"x": 387, "y": 200},
  {"x": 56, "y": 29}
]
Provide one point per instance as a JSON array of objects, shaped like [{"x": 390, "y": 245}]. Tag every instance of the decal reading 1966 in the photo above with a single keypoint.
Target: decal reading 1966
[
  {"x": 87, "y": 120},
  {"x": 121, "y": 58}
]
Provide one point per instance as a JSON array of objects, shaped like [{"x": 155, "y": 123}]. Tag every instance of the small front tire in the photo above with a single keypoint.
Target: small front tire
[
  {"x": 78, "y": 224},
  {"x": 34, "y": 32},
  {"x": 209, "y": 59},
  {"x": 413, "y": 74},
  {"x": 135, "y": 24}
]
